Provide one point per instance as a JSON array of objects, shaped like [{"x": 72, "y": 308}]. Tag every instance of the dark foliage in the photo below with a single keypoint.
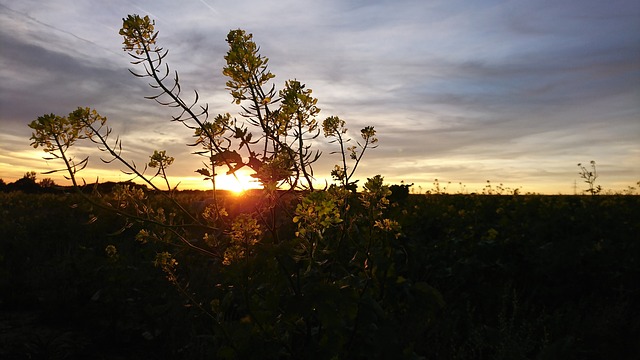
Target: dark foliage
[{"x": 523, "y": 277}]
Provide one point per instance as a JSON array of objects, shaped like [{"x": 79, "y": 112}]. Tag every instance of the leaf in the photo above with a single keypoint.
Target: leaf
[
  {"x": 227, "y": 157},
  {"x": 204, "y": 172}
]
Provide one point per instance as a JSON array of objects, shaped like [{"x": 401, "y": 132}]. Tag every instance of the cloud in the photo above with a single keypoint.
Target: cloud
[{"x": 523, "y": 89}]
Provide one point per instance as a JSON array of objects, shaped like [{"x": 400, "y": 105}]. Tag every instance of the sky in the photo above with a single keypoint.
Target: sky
[{"x": 515, "y": 92}]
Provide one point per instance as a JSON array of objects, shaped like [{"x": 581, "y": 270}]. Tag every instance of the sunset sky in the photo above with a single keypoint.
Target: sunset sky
[{"x": 516, "y": 92}]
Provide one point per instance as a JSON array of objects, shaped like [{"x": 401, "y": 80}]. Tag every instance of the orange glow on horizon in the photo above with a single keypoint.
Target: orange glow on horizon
[
  {"x": 239, "y": 183},
  {"x": 30, "y": 162}
]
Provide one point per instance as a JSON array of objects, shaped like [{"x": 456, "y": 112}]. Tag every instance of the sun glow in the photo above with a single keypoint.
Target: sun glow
[{"x": 238, "y": 183}]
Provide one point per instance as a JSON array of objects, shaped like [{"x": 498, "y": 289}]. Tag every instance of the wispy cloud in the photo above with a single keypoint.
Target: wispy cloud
[{"x": 458, "y": 89}]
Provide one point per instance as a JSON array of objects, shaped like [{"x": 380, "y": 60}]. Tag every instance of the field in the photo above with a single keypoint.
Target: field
[{"x": 469, "y": 277}]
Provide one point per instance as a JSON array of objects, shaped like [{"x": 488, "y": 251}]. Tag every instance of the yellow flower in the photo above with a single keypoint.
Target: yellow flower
[{"x": 111, "y": 251}]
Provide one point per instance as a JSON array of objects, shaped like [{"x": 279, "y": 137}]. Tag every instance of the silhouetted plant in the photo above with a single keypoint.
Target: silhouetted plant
[
  {"x": 488, "y": 189},
  {"x": 300, "y": 274},
  {"x": 334, "y": 128},
  {"x": 589, "y": 177},
  {"x": 438, "y": 189},
  {"x": 631, "y": 190}
]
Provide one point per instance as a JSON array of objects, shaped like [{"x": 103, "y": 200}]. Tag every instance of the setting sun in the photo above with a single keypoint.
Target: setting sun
[{"x": 238, "y": 183}]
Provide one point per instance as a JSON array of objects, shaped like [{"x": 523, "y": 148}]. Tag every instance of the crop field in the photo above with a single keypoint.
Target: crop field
[{"x": 460, "y": 277}]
